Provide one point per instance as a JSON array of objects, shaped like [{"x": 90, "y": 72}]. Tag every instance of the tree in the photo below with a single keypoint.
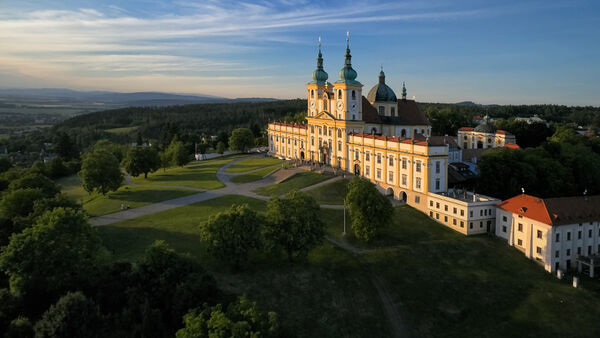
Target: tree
[
  {"x": 100, "y": 172},
  {"x": 19, "y": 202},
  {"x": 19, "y": 328},
  {"x": 242, "y": 318},
  {"x": 65, "y": 147},
  {"x": 74, "y": 315},
  {"x": 220, "y": 148},
  {"x": 294, "y": 224},
  {"x": 118, "y": 150},
  {"x": 177, "y": 153},
  {"x": 58, "y": 254},
  {"x": 142, "y": 160},
  {"x": 241, "y": 139},
  {"x": 34, "y": 180},
  {"x": 369, "y": 209},
  {"x": 231, "y": 235},
  {"x": 5, "y": 164}
]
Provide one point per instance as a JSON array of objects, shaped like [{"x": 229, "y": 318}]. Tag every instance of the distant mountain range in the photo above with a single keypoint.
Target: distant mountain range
[{"x": 115, "y": 98}]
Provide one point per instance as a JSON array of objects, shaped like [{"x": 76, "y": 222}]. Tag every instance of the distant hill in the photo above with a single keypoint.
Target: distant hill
[{"x": 114, "y": 99}]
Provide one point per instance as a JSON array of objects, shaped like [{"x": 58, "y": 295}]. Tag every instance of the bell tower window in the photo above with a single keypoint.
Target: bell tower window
[
  {"x": 312, "y": 93},
  {"x": 339, "y": 94},
  {"x": 353, "y": 95}
]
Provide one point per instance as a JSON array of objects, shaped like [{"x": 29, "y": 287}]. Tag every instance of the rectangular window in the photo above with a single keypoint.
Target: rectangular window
[
  {"x": 378, "y": 158},
  {"x": 356, "y": 154},
  {"x": 379, "y": 173},
  {"x": 437, "y": 184},
  {"x": 462, "y": 212},
  {"x": 538, "y": 250},
  {"x": 539, "y": 234},
  {"x": 418, "y": 169},
  {"x": 431, "y": 214},
  {"x": 579, "y": 235},
  {"x": 568, "y": 252},
  {"x": 568, "y": 236},
  {"x": 367, "y": 156},
  {"x": 437, "y": 205},
  {"x": 418, "y": 184},
  {"x": 391, "y": 176},
  {"x": 339, "y": 147},
  {"x": 519, "y": 242},
  {"x": 471, "y": 225},
  {"x": 445, "y": 218},
  {"x": 454, "y": 221},
  {"x": 557, "y": 253},
  {"x": 367, "y": 171},
  {"x": 590, "y": 233},
  {"x": 403, "y": 163},
  {"x": 454, "y": 211},
  {"x": 404, "y": 179},
  {"x": 481, "y": 224},
  {"x": 520, "y": 227},
  {"x": 437, "y": 167},
  {"x": 480, "y": 212},
  {"x": 391, "y": 162},
  {"x": 462, "y": 224},
  {"x": 589, "y": 250},
  {"x": 431, "y": 203},
  {"x": 558, "y": 237},
  {"x": 504, "y": 228},
  {"x": 471, "y": 213},
  {"x": 579, "y": 250},
  {"x": 417, "y": 199},
  {"x": 437, "y": 216},
  {"x": 504, "y": 218}
]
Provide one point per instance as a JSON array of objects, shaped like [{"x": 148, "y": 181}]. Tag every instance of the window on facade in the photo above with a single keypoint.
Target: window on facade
[
  {"x": 445, "y": 218},
  {"x": 404, "y": 178},
  {"x": 481, "y": 224},
  {"x": 504, "y": 228},
  {"x": 568, "y": 236},
  {"x": 437, "y": 205},
  {"x": 329, "y": 131},
  {"x": 312, "y": 141},
  {"x": 353, "y": 95},
  {"x": 589, "y": 250},
  {"x": 320, "y": 131},
  {"x": 520, "y": 227},
  {"x": 339, "y": 133},
  {"x": 539, "y": 234},
  {"x": 454, "y": 221},
  {"x": 462, "y": 212},
  {"x": 417, "y": 199},
  {"x": 356, "y": 154},
  {"x": 391, "y": 176},
  {"x": 393, "y": 113},
  {"x": 437, "y": 216},
  {"x": 454, "y": 211},
  {"x": 295, "y": 142},
  {"x": 446, "y": 207},
  {"x": 301, "y": 144},
  {"x": 558, "y": 237},
  {"x": 339, "y": 94},
  {"x": 504, "y": 218},
  {"x": 418, "y": 183},
  {"x": 480, "y": 212},
  {"x": 378, "y": 158},
  {"x": 379, "y": 173},
  {"x": 367, "y": 156},
  {"x": 431, "y": 203},
  {"x": 538, "y": 250},
  {"x": 557, "y": 253},
  {"x": 462, "y": 224},
  {"x": 579, "y": 250},
  {"x": 418, "y": 169},
  {"x": 391, "y": 162},
  {"x": 312, "y": 93},
  {"x": 568, "y": 252},
  {"x": 437, "y": 184},
  {"x": 471, "y": 213},
  {"x": 339, "y": 146},
  {"x": 519, "y": 242},
  {"x": 471, "y": 225},
  {"x": 437, "y": 167},
  {"x": 367, "y": 171},
  {"x": 578, "y": 234},
  {"x": 381, "y": 110},
  {"x": 590, "y": 233},
  {"x": 431, "y": 214},
  {"x": 403, "y": 163}
]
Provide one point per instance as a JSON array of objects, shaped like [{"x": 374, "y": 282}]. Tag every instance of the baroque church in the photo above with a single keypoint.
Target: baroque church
[{"x": 379, "y": 137}]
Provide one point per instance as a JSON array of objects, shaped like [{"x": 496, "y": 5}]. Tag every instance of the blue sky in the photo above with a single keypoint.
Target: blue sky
[{"x": 447, "y": 51}]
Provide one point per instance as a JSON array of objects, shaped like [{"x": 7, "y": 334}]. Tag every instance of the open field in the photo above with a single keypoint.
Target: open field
[
  {"x": 451, "y": 285},
  {"x": 327, "y": 295},
  {"x": 253, "y": 164},
  {"x": 332, "y": 193},
  {"x": 132, "y": 196},
  {"x": 201, "y": 175},
  {"x": 297, "y": 181},
  {"x": 253, "y": 176}
]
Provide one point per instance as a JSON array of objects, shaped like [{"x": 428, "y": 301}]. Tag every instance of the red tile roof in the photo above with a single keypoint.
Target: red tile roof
[
  {"x": 466, "y": 129},
  {"x": 554, "y": 211},
  {"x": 512, "y": 146}
]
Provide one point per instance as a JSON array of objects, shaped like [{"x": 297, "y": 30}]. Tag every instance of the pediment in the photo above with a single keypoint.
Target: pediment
[{"x": 325, "y": 116}]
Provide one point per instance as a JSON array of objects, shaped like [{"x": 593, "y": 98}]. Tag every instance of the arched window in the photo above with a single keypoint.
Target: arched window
[
  {"x": 353, "y": 95},
  {"x": 312, "y": 93},
  {"x": 339, "y": 94}
]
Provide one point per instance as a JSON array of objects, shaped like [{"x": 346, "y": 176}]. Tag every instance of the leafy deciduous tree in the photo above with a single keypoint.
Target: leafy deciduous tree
[
  {"x": 100, "y": 172},
  {"x": 241, "y": 139},
  {"x": 369, "y": 209},
  {"x": 74, "y": 315},
  {"x": 142, "y": 160}
]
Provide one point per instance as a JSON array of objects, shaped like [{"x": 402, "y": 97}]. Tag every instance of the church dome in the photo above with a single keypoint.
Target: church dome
[
  {"x": 486, "y": 127},
  {"x": 381, "y": 92}
]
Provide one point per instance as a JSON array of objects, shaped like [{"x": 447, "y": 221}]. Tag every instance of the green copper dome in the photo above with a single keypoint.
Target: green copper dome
[
  {"x": 319, "y": 75},
  {"x": 381, "y": 92},
  {"x": 348, "y": 74}
]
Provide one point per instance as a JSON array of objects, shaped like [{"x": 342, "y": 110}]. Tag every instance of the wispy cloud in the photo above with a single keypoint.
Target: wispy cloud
[{"x": 208, "y": 38}]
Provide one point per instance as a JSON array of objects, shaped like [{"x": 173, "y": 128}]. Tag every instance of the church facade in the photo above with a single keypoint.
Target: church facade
[{"x": 378, "y": 137}]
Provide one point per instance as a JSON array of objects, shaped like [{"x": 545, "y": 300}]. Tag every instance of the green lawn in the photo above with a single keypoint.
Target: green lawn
[
  {"x": 202, "y": 175},
  {"x": 253, "y": 176},
  {"x": 332, "y": 193},
  {"x": 253, "y": 164},
  {"x": 328, "y": 295},
  {"x": 455, "y": 286},
  {"x": 132, "y": 196},
  {"x": 298, "y": 181}
]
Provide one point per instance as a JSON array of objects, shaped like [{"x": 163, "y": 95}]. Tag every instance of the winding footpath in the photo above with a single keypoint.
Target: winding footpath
[{"x": 397, "y": 326}]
